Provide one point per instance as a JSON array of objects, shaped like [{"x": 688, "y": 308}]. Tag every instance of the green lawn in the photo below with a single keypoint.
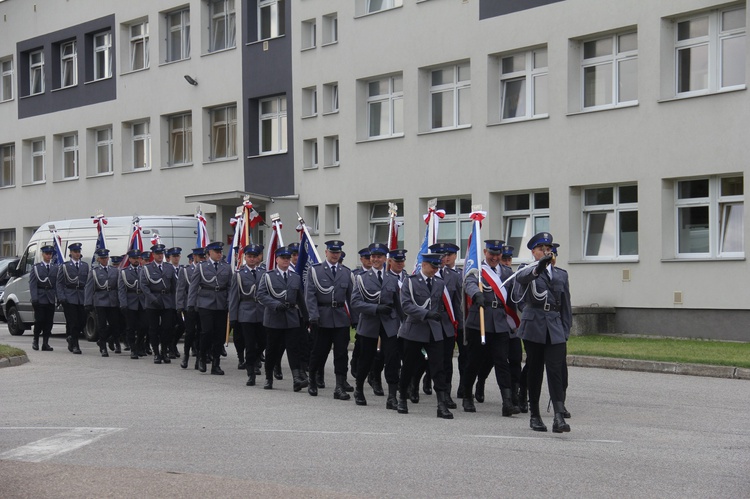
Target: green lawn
[
  {"x": 718, "y": 353},
  {"x": 6, "y": 351}
]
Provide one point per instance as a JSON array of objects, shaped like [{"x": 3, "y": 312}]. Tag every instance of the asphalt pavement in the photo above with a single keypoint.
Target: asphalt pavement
[{"x": 87, "y": 426}]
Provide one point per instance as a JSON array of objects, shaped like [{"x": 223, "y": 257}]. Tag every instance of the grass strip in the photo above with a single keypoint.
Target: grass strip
[{"x": 8, "y": 351}]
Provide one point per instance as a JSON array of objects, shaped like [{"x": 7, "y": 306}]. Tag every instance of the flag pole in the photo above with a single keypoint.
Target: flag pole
[
  {"x": 304, "y": 229},
  {"x": 477, "y": 244}
]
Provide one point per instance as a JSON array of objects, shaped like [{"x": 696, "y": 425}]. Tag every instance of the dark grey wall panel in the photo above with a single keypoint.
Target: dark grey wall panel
[
  {"x": 684, "y": 323},
  {"x": 494, "y": 8}
]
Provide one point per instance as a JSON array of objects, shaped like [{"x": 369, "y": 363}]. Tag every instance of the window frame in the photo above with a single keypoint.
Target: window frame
[
  {"x": 8, "y": 243},
  {"x": 330, "y": 34},
  {"x": 380, "y": 223},
  {"x": 69, "y": 64},
  {"x": 391, "y": 97},
  {"x": 102, "y": 73},
  {"x": 331, "y": 151},
  {"x": 455, "y": 87},
  {"x": 35, "y": 155},
  {"x": 183, "y": 28},
  {"x": 461, "y": 219},
  {"x": 8, "y": 165},
  {"x": 185, "y": 131},
  {"x": 370, "y": 5},
  {"x": 531, "y": 217},
  {"x": 72, "y": 152},
  {"x": 278, "y": 119},
  {"x": 6, "y": 75},
  {"x": 229, "y": 124},
  {"x": 530, "y": 75},
  {"x": 36, "y": 68},
  {"x": 227, "y": 17},
  {"x": 146, "y": 139},
  {"x": 139, "y": 43},
  {"x": 277, "y": 10},
  {"x": 108, "y": 145},
  {"x": 309, "y": 34},
  {"x": 615, "y": 59},
  {"x": 617, "y": 207}
]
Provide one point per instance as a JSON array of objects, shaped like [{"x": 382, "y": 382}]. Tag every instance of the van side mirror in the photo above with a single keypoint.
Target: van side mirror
[{"x": 13, "y": 269}]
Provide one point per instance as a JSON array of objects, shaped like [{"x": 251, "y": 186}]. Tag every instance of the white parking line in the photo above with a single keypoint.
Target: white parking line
[
  {"x": 543, "y": 438},
  {"x": 321, "y": 432},
  {"x": 49, "y": 447}
]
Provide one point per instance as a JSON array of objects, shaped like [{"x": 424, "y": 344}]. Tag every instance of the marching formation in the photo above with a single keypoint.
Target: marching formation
[{"x": 407, "y": 325}]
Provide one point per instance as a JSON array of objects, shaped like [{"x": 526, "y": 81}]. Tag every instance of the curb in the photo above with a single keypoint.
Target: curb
[
  {"x": 660, "y": 367},
  {"x": 13, "y": 361}
]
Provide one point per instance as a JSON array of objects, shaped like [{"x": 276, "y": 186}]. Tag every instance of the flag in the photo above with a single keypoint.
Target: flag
[
  {"x": 392, "y": 234},
  {"x": 432, "y": 219},
  {"x": 59, "y": 257},
  {"x": 236, "y": 249},
  {"x": 99, "y": 221},
  {"x": 202, "y": 237},
  {"x": 135, "y": 243},
  {"x": 308, "y": 254},
  {"x": 473, "y": 252},
  {"x": 275, "y": 243},
  {"x": 254, "y": 217}
]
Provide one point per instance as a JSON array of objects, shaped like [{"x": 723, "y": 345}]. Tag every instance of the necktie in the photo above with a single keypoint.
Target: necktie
[
  {"x": 429, "y": 283},
  {"x": 76, "y": 265},
  {"x": 380, "y": 277},
  {"x": 47, "y": 267},
  {"x": 333, "y": 269},
  {"x": 216, "y": 266},
  {"x": 254, "y": 273},
  {"x": 160, "y": 267},
  {"x": 494, "y": 269},
  {"x": 285, "y": 280}
]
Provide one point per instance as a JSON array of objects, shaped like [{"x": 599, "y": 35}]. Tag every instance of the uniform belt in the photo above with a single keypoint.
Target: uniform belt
[
  {"x": 164, "y": 291},
  {"x": 249, "y": 298},
  {"x": 215, "y": 288},
  {"x": 333, "y": 304},
  {"x": 48, "y": 287},
  {"x": 546, "y": 307}
]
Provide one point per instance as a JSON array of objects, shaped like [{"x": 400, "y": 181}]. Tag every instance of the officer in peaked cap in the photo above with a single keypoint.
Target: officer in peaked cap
[
  {"x": 117, "y": 335},
  {"x": 131, "y": 302},
  {"x": 181, "y": 298},
  {"x": 565, "y": 413},
  {"x": 364, "y": 260},
  {"x": 328, "y": 289},
  {"x": 545, "y": 328},
  {"x": 498, "y": 314},
  {"x": 42, "y": 283},
  {"x": 209, "y": 296},
  {"x": 173, "y": 256},
  {"x": 294, "y": 250},
  {"x": 71, "y": 283},
  {"x": 157, "y": 281},
  {"x": 396, "y": 264},
  {"x": 100, "y": 297}
]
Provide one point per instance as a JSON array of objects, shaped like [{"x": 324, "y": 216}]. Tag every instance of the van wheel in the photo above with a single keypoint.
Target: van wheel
[
  {"x": 90, "y": 329},
  {"x": 16, "y": 327}
]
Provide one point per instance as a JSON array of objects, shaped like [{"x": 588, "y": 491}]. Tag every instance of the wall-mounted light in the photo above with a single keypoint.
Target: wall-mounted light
[{"x": 191, "y": 80}]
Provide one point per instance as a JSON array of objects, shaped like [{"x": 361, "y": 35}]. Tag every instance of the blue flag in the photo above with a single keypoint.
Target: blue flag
[
  {"x": 422, "y": 249},
  {"x": 56, "y": 241},
  {"x": 471, "y": 262},
  {"x": 307, "y": 255},
  {"x": 99, "y": 245}
]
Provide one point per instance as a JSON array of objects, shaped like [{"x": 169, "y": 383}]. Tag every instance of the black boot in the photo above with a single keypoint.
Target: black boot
[
  {"x": 559, "y": 425},
  {"x": 523, "y": 399},
  {"x": 377, "y": 384},
  {"x": 103, "y": 349},
  {"x": 403, "y": 407},
  {"x": 258, "y": 364},
  {"x": 157, "y": 356},
  {"x": 45, "y": 345},
  {"x": 76, "y": 348},
  {"x": 442, "y": 408},
  {"x": 347, "y": 387},
  {"x": 118, "y": 347},
  {"x": 277, "y": 372},
  {"x": 250, "y": 377},
  {"x": 269, "y": 382},
  {"x": 359, "y": 396},
  {"x": 202, "y": 362},
  {"x": 448, "y": 400},
  {"x": 215, "y": 369},
  {"x": 185, "y": 358},
  {"x": 165, "y": 354},
  {"x": 460, "y": 390},
  {"x": 69, "y": 341},
  {"x": 536, "y": 423},
  {"x": 391, "y": 402},
  {"x": 134, "y": 354},
  {"x": 312, "y": 388},
  {"x": 321, "y": 381},
  {"x": 297, "y": 382},
  {"x": 241, "y": 358},
  {"x": 339, "y": 393},
  {"x": 35, "y": 342},
  {"x": 468, "y": 402},
  {"x": 508, "y": 408},
  {"x": 413, "y": 390},
  {"x": 427, "y": 384},
  {"x": 479, "y": 391}
]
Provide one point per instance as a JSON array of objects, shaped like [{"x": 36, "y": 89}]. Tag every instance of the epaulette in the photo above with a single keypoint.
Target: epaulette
[
  {"x": 316, "y": 264},
  {"x": 560, "y": 269}
]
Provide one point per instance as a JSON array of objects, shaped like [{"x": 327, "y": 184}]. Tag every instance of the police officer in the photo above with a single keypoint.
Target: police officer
[
  {"x": 365, "y": 265},
  {"x": 173, "y": 256},
  {"x": 71, "y": 283},
  {"x": 158, "y": 283},
  {"x": 497, "y": 326},
  {"x": 181, "y": 306},
  {"x": 245, "y": 311},
  {"x": 565, "y": 412},
  {"x": 376, "y": 300},
  {"x": 132, "y": 301},
  {"x": 117, "y": 336},
  {"x": 209, "y": 296},
  {"x": 545, "y": 328},
  {"x": 281, "y": 294},
  {"x": 423, "y": 330},
  {"x": 42, "y": 281},
  {"x": 100, "y": 297}
]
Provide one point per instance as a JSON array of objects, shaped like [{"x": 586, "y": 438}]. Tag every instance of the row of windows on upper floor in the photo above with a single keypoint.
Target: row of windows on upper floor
[{"x": 705, "y": 219}]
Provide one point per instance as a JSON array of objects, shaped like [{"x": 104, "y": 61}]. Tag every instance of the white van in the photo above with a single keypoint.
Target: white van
[{"x": 172, "y": 231}]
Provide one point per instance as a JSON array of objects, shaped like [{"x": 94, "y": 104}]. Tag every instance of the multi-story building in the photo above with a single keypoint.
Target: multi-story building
[{"x": 615, "y": 126}]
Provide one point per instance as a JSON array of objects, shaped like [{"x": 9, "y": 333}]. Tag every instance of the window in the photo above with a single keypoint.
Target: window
[
  {"x": 385, "y": 107},
  {"x": 68, "y": 65},
  {"x": 180, "y": 139},
  {"x": 8, "y": 242},
  {"x": 309, "y": 34},
  {"x": 70, "y": 156},
  {"x": 224, "y": 132},
  {"x": 710, "y": 52},
  {"x": 36, "y": 72},
  {"x": 330, "y": 28},
  {"x": 309, "y": 102},
  {"x": 310, "y": 153},
  {"x": 139, "y": 46},
  {"x": 450, "y": 97},
  {"x": 372, "y": 6},
  {"x": 333, "y": 219},
  {"x": 8, "y": 165},
  {"x": 523, "y": 85},
  {"x": 38, "y": 151},
  {"x": 380, "y": 220},
  {"x": 104, "y": 145},
  {"x": 455, "y": 227},
  {"x": 272, "y": 17},
  {"x": 524, "y": 214},
  {"x": 331, "y": 97},
  {"x": 178, "y": 38},
  {"x": 102, "y": 55},
  {"x": 273, "y": 125},
  {"x": 223, "y": 29},
  {"x": 312, "y": 218},
  {"x": 141, "y": 145},
  {"x": 610, "y": 222},
  {"x": 610, "y": 71},
  {"x": 331, "y": 150},
  {"x": 6, "y": 75},
  {"x": 710, "y": 217}
]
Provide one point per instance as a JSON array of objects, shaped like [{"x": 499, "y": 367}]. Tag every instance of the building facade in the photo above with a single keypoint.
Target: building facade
[{"x": 618, "y": 127}]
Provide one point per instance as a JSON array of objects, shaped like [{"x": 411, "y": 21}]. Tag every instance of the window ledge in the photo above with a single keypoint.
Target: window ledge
[
  {"x": 91, "y": 82},
  {"x": 309, "y": 168},
  {"x": 62, "y": 88},
  {"x": 256, "y": 42},
  {"x": 98, "y": 175},
  {"x": 30, "y": 96},
  {"x": 264, "y": 155},
  {"x": 6, "y": 100},
  {"x": 377, "y": 12},
  {"x": 135, "y": 71},
  {"x": 41, "y": 182},
  {"x": 309, "y": 116},
  {"x": 228, "y": 49},
  {"x": 167, "y": 63},
  {"x": 335, "y": 165},
  {"x": 220, "y": 160},
  {"x": 705, "y": 259},
  {"x": 613, "y": 260},
  {"x": 328, "y": 44},
  {"x": 307, "y": 49},
  {"x": 702, "y": 94},
  {"x": 328, "y": 113},
  {"x": 442, "y": 130},
  {"x": 71, "y": 179},
  {"x": 136, "y": 170},
  {"x": 519, "y": 120},
  {"x": 378, "y": 139},
  {"x": 7, "y": 186},
  {"x": 334, "y": 233},
  {"x": 174, "y": 167},
  {"x": 602, "y": 109}
]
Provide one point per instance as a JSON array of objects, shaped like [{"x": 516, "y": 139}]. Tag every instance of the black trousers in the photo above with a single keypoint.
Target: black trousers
[
  {"x": 118, "y": 326},
  {"x": 412, "y": 356},
  {"x": 160, "y": 325},
  {"x": 239, "y": 342},
  {"x": 213, "y": 331},
  {"x": 463, "y": 352},
  {"x": 369, "y": 349},
  {"x": 541, "y": 356},
  {"x": 276, "y": 339},
  {"x": 105, "y": 320},
  {"x": 515, "y": 357},
  {"x": 191, "y": 328},
  {"x": 448, "y": 349},
  {"x": 495, "y": 349},
  {"x": 250, "y": 332},
  {"x": 134, "y": 327},
  {"x": 75, "y": 319},
  {"x": 326, "y": 337},
  {"x": 44, "y": 317},
  {"x": 179, "y": 327}
]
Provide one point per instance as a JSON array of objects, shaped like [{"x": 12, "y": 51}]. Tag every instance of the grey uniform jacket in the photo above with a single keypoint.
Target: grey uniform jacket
[
  {"x": 414, "y": 295},
  {"x": 547, "y": 306},
  {"x": 42, "y": 284},
  {"x": 328, "y": 307},
  {"x": 209, "y": 286},
  {"x": 495, "y": 320},
  {"x": 101, "y": 287},
  {"x": 273, "y": 291},
  {"x": 129, "y": 288},
  {"x": 71, "y": 282},
  {"x": 183, "y": 286},
  {"x": 158, "y": 285},
  {"x": 243, "y": 295},
  {"x": 367, "y": 295},
  {"x": 453, "y": 283}
]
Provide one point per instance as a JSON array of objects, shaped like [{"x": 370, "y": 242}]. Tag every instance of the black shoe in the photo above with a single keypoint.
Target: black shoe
[
  {"x": 202, "y": 365},
  {"x": 508, "y": 408},
  {"x": 536, "y": 423},
  {"x": 402, "y": 407},
  {"x": 170, "y": 354},
  {"x": 103, "y": 351},
  {"x": 76, "y": 348},
  {"x": 242, "y": 366},
  {"x": 442, "y": 408},
  {"x": 413, "y": 391},
  {"x": 339, "y": 393},
  {"x": 460, "y": 391},
  {"x": 165, "y": 356},
  {"x": 449, "y": 402},
  {"x": 559, "y": 425},
  {"x": 269, "y": 384},
  {"x": 251, "y": 380},
  {"x": 320, "y": 379},
  {"x": 523, "y": 401},
  {"x": 277, "y": 372},
  {"x": 377, "y": 386},
  {"x": 134, "y": 355},
  {"x": 197, "y": 363},
  {"x": 347, "y": 387},
  {"x": 427, "y": 385},
  {"x": 312, "y": 388},
  {"x": 479, "y": 391},
  {"x": 157, "y": 358},
  {"x": 298, "y": 382},
  {"x": 468, "y": 404},
  {"x": 69, "y": 339},
  {"x": 185, "y": 359},
  {"x": 359, "y": 397},
  {"x": 215, "y": 369},
  {"x": 118, "y": 347},
  {"x": 35, "y": 344},
  {"x": 46, "y": 347},
  {"x": 223, "y": 351}
]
